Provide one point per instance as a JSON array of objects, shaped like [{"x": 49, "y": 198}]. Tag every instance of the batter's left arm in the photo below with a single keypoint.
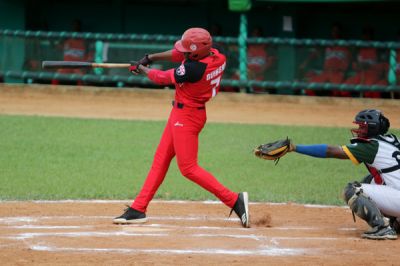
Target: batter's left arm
[{"x": 170, "y": 55}]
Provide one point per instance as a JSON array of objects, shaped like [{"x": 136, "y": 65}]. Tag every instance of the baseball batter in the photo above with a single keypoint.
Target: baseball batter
[
  {"x": 196, "y": 81},
  {"x": 376, "y": 199}
]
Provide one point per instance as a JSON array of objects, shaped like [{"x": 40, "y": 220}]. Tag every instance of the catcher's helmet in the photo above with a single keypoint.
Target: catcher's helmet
[
  {"x": 195, "y": 41},
  {"x": 370, "y": 123}
]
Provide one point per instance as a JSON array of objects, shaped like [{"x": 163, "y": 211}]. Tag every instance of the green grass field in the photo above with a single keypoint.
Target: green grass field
[{"x": 63, "y": 158}]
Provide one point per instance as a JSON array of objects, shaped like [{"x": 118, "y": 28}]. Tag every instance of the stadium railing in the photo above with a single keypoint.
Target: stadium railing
[{"x": 21, "y": 54}]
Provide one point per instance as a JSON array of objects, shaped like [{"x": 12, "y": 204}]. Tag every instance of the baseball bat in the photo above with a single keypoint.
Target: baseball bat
[{"x": 77, "y": 64}]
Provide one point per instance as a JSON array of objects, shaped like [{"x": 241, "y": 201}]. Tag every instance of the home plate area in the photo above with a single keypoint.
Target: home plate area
[{"x": 183, "y": 232}]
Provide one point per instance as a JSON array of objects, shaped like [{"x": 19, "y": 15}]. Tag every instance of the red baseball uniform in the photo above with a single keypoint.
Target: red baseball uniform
[
  {"x": 196, "y": 82},
  {"x": 368, "y": 71},
  {"x": 335, "y": 64},
  {"x": 74, "y": 50}
]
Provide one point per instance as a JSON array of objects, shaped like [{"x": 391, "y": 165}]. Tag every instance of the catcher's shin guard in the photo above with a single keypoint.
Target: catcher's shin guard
[{"x": 362, "y": 205}]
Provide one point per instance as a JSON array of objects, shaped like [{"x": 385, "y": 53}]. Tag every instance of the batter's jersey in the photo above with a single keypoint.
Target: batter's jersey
[
  {"x": 196, "y": 82},
  {"x": 381, "y": 155}
]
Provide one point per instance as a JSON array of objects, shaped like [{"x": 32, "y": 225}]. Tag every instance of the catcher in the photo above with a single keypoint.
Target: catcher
[{"x": 376, "y": 199}]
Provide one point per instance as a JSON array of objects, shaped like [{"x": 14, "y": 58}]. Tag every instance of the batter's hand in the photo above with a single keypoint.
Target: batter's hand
[
  {"x": 145, "y": 61},
  {"x": 134, "y": 68}
]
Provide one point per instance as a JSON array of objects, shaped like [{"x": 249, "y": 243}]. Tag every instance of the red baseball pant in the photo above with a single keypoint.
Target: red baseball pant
[{"x": 180, "y": 139}]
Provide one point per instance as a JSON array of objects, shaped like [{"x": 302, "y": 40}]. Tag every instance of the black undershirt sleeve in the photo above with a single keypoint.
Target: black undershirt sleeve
[{"x": 190, "y": 71}]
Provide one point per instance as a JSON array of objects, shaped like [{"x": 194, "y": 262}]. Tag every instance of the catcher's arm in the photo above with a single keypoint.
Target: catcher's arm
[
  {"x": 321, "y": 151},
  {"x": 276, "y": 150}
]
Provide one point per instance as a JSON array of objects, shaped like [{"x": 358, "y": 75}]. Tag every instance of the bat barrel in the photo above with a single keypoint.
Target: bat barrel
[
  {"x": 78, "y": 64},
  {"x": 65, "y": 64}
]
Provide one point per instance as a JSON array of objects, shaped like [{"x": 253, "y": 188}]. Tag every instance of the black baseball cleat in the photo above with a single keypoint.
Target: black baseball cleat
[
  {"x": 131, "y": 216},
  {"x": 394, "y": 223},
  {"x": 241, "y": 208},
  {"x": 380, "y": 233}
]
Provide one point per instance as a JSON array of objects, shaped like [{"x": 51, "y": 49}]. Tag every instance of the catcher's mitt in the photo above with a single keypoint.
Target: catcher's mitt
[{"x": 274, "y": 150}]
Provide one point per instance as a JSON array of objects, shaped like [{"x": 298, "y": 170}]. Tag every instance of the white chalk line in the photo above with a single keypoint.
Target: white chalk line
[
  {"x": 34, "y": 219},
  {"x": 271, "y": 238},
  {"x": 83, "y": 234},
  {"x": 194, "y": 227},
  {"x": 269, "y": 251},
  {"x": 50, "y": 227},
  {"x": 14, "y": 219},
  {"x": 171, "y": 202},
  {"x": 257, "y": 229},
  {"x": 30, "y": 235},
  {"x": 273, "y": 251}
]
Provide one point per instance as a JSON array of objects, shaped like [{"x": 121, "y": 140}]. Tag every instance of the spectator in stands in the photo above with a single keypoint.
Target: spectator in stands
[
  {"x": 31, "y": 65},
  {"x": 260, "y": 61},
  {"x": 396, "y": 68},
  {"x": 398, "y": 61},
  {"x": 368, "y": 71},
  {"x": 231, "y": 53},
  {"x": 75, "y": 49},
  {"x": 336, "y": 62},
  {"x": 215, "y": 30}
]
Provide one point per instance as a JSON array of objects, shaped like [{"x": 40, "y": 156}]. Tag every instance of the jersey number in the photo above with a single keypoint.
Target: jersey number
[{"x": 215, "y": 82}]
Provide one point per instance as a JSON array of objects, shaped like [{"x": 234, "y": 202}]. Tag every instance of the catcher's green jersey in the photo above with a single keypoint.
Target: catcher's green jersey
[{"x": 381, "y": 155}]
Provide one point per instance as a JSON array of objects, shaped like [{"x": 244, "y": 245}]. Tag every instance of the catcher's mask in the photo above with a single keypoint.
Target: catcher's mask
[
  {"x": 196, "y": 42},
  {"x": 370, "y": 123}
]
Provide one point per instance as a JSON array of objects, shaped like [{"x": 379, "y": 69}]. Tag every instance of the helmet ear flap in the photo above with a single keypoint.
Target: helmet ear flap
[{"x": 385, "y": 125}]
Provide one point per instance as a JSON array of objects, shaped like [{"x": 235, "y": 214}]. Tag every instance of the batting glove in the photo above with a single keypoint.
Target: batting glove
[{"x": 145, "y": 60}]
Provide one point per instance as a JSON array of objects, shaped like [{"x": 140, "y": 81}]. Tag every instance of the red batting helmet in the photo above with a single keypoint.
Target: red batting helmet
[{"x": 196, "y": 41}]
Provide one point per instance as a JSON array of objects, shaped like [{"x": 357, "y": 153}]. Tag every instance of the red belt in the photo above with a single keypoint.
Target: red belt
[{"x": 181, "y": 105}]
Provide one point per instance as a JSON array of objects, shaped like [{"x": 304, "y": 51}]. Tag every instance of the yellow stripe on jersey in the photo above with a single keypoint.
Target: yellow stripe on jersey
[{"x": 351, "y": 156}]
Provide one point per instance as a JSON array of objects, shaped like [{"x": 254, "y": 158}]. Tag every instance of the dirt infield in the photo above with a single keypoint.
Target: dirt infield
[
  {"x": 155, "y": 105},
  {"x": 182, "y": 233},
  {"x": 185, "y": 233}
]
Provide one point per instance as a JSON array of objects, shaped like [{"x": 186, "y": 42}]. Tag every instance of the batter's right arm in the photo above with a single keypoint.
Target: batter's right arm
[
  {"x": 161, "y": 77},
  {"x": 163, "y": 56}
]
